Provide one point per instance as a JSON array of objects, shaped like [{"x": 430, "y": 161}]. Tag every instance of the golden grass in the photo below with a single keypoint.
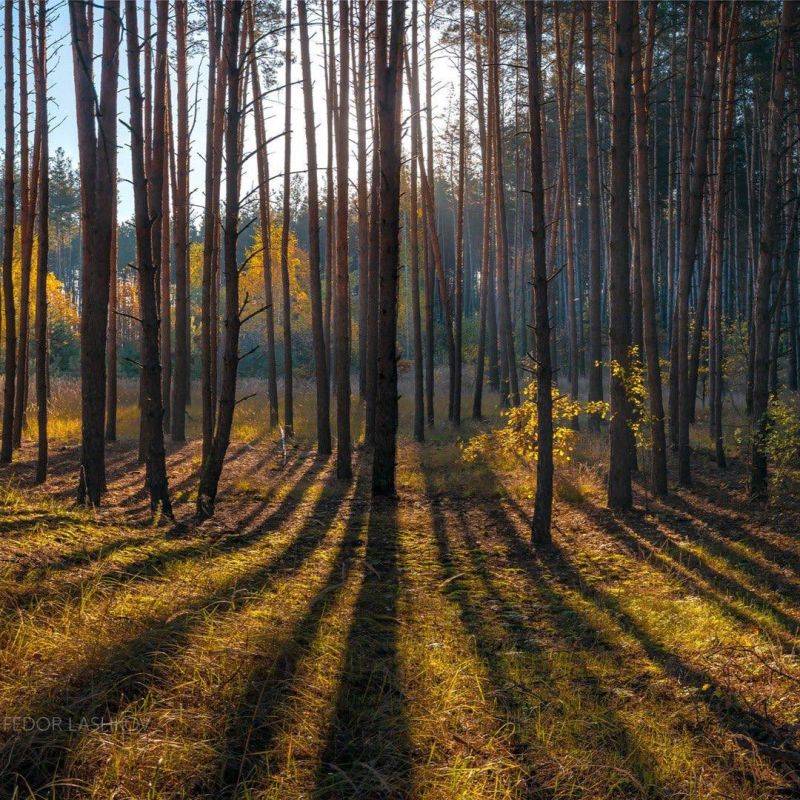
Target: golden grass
[{"x": 307, "y": 643}]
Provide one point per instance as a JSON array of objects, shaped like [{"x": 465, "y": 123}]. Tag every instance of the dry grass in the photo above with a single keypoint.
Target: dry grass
[{"x": 307, "y": 643}]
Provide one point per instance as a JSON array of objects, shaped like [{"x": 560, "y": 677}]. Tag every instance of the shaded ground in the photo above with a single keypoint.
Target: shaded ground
[{"x": 308, "y": 643}]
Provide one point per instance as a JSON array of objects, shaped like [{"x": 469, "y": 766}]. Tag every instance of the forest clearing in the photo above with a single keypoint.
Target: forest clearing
[
  {"x": 401, "y": 400},
  {"x": 306, "y": 642}
]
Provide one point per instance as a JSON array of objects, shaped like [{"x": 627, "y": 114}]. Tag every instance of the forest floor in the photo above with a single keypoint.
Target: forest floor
[{"x": 309, "y": 643}]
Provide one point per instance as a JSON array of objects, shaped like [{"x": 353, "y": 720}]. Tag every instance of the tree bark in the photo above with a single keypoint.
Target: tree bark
[
  {"x": 766, "y": 253},
  {"x": 341, "y": 300},
  {"x": 620, "y": 495},
  {"x": 40, "y": 320},
  {"x": 315, "y": 285},
  {"x": 181, "y": 227},
  {"x": 595, "y": 255},
  {"x": 152, "y": 409},
  {"x": 416, "y": 315},
  {"x": 213, "y": 163},
  {"x": 288, "y": 400},
  {"x": 212, "y": 467},
  {"x": 8, "y": 243},
  {"x": 689, "y": 235},
  {"x": 98, "y": 192},
  {"x": 641, "y": 86},
  {"x": 388, "y": 77},
  {"x": 543, "y": 504},
  {"x": 265, "y": 222},
  {"x": 486, "y": 161}
]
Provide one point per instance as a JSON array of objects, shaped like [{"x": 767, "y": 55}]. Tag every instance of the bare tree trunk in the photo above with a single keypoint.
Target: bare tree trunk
[
  {"x": 543, "y": 506},
  {"x": 212, "y": 467},
  {"x": 458, "y": 313},
  {"x": 288, "y": 400},
  {"x": 8, "y": 243},
  {"x": 40, "y": 321},
  {"x": 211, "y": 220},
  {"x": 486, "y": 161},
  {"x": 341, "y": 310},
  {"x": 725, "y": 127},
  {"x": 510, "y": 389},
  {"x": 266, "y": 228},
  {"x": 416, "y": 316},
  {"x": 766, "y": 253},
  {"x": 595, "y": 257},
  {"x": 362, "y": 199},
  {"x": 165, "y": 322},
  {"x": 688, "y": 246},
  {"x": 685, "y": 179},
  {"x": 620, "y": 495},
  {"x": 329, "y": 56},
  {"x": 641, "y": 85},
  {"x": 152, "y": 409},
  {"x": 180, "y": 395},
  {"x": 564, "y": 92},
  {"x": 98, "y": 192},
  {"x": 28, "y": 188},
  {"x": 314, "y": 281},
  {"x": 388, "y": 75}
]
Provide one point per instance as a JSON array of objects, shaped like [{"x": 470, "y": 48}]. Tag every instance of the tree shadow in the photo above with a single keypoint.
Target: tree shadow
[
  {"x": 117, "y": 575},
  {"x": 256, "y": 721},
  {"x": 368, "y": 753},
  {"x": 645, "y": 541},
  {"x": 125, "y": 672},
  {"x": 498, "y": 626},
  {"x": 776, "y": 743}
]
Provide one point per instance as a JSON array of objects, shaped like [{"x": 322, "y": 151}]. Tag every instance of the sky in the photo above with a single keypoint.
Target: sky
[{"x": 63, "y": 131}]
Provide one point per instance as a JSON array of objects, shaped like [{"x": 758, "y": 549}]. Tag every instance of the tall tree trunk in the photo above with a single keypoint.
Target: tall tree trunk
[
  {"x": 685, "y": 180},
  {"x": 288, "y": 400},
  {"x": 314, "y": 281},
  {"x": 766, "y": 253},
  {"x": 620, "y": 496},
  {"x": 28, "y": 187},
  {"x": 113, "y": 332},
  {"x": 388, "y": 77},
  {"x": 689, "y": 235},
  {"x": 98, "y": 192},
  {"x": 725, "y": 131},
  {"x": 165, "y": 321},
  {"x": 180, "y": 394},
  {"x": 341, "y": 310},
  {"x": 213, "y": 163},
  {"x": 8, "y": 243},
  {"x": 510, "y": 389},
  {"x": 641, "y": 86},
  {"x": 40, "y": 321},
  {"x": 212, "y": 467},
  {"x": 564, "y": 92},
  {"x": 458, "y": 313},
  {"x": 265, "y": 222},
  {"x": 416, "y": 315},
  {"x": 543, "y": 506},
  {"x": 595, "y": 256},
  {"x": 485, "y": 287},
  {"x": 362, "y": 195},
  {"x": 152, "y": 409}
]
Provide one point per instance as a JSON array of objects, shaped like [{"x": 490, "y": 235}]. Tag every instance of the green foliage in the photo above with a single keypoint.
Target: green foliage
[{"x": 782, "y": 440}]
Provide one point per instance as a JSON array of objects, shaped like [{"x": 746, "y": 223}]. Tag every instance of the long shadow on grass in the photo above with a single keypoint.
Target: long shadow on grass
[
  {"x": 500, "y": 626},
  {"x": 117, "y": 575},
  {"x": 368, "y": 752},
  {"x": 261, "y": 712},
  {"x": 639, "y": 537},
  {"x": 776, "y": 743},
  {"x": 124, "y": 674},
  {"x": 725, "y": 530}
]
